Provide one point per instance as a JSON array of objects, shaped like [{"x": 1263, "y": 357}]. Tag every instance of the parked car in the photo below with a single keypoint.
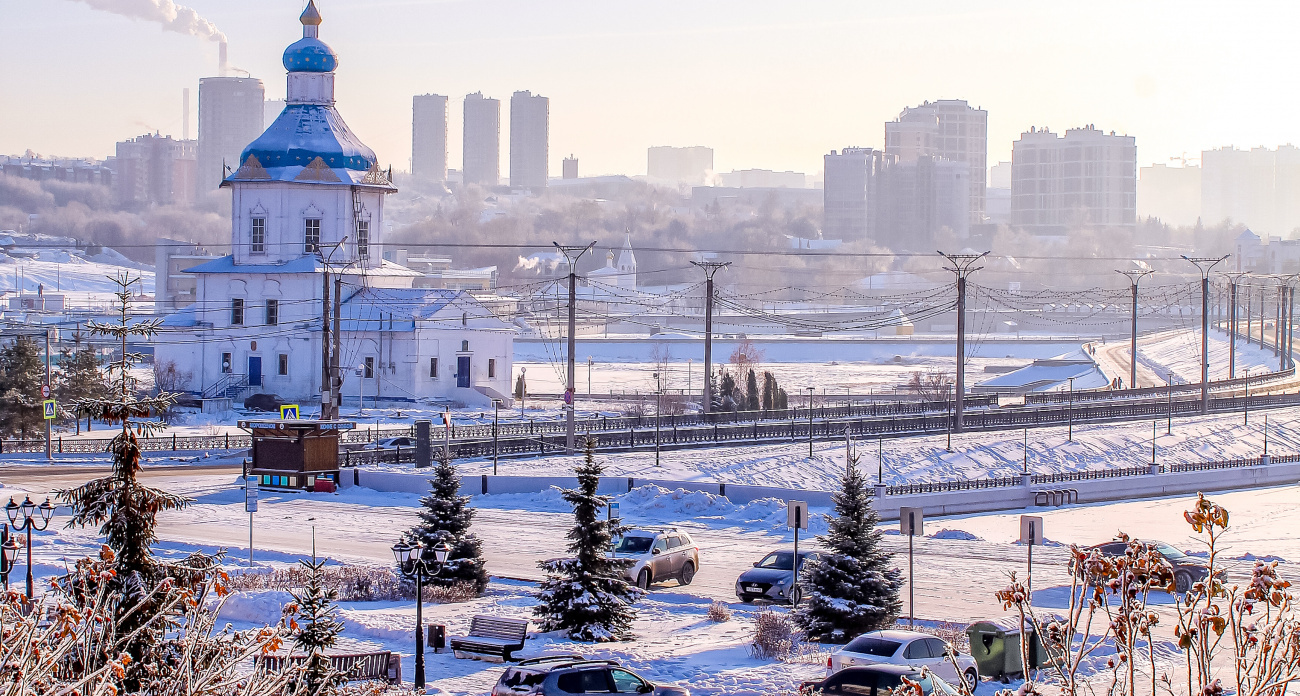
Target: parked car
[
  {"x": 906, "y": 648},
  {"x": 878, "y": 680},
  {"x": 772, "y": 578},
  {"x": 390, "y": 443},
  {"x": 264, "y": 402},
  {"x": 560, "y": 675},
  {"x": 658, "y": 556},
  {"x": 1187, "y": 569}
]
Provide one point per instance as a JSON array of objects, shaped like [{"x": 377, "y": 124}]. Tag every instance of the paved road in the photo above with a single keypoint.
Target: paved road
[{"x": 946, "y": 587}]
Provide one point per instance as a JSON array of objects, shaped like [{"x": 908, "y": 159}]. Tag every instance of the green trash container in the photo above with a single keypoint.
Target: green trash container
[{"x": 995, "y": 645}]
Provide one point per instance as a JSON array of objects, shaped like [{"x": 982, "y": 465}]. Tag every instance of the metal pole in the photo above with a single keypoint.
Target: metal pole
[
  {"x": 810, "y": 422},
  {"x": 911, "y": 579},
  {"x": 710, "y": 268},
  {"x": 1205, "y": 265},
  {"x": 31, "y": 584},
  {"x": 1029, "y": 574},
  {"x": 419, "y": 624},
  {"x": 1153, "y": 441},
  {"x": 1232, "y": 328},
  {"x": 962, "y": 265},
  {"x": 496, "y": 417},
  {"x": 336, "y": 378},
  {"x": 1169, "y": 407},
  {"x": 4, "y": 562},
  {"x": 1025, "y": 450},
  {"x": 49, "y": 449},
  {"x": 324, "y": 345},
  {"x": 1070, "y": 412},
  {"x": 1134, "y": 276},
  {"x": 659, "y": 391},
  {"x": 1245, "y": 413},
  {"x": 1265, "y": 434},
  {"x": 572, "y": 253}
]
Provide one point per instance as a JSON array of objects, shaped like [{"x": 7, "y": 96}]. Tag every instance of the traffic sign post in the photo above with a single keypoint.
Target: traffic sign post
[
  {"x": 289, "y": 412},
  {"x": 45, "y": 391},
  {"x": 250, "y": 506},
  {"x": 796, "y": 518},
  {"x": 911, "y": 523},
  {"x": 1031, "y": 534}
]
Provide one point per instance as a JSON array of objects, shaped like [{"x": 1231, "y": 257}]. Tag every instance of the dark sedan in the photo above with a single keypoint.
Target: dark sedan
[
  {"x": 878, "y": 680},
  {"x": 773, "y": 578},
  {"x": 1187, "y": 569}
]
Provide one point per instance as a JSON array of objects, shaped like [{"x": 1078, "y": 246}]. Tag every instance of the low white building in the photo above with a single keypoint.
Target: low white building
[{"x": 309, "y": 197}]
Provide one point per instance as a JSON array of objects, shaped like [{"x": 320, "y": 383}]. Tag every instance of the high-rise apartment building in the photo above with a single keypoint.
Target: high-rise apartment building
[
  {"x": 919, "y": 200},
  {"x": 852, "y": 193},
  {"x": 570, "y": 168},
  {"x": 1259, "y": 188},
  {"x": 230, "y": 117},
  {"x": 683, "y": 165},
  {"x": 429, "y": 137},
  {"x": 948, "y": 128},
  {"x": 1085, "y": 179},
  {"x": 153, "y": 169},
  {"x": 530, "y": 129},
  {"x": 482, "y": 140},
  {"x": 1171, "y": 194}
]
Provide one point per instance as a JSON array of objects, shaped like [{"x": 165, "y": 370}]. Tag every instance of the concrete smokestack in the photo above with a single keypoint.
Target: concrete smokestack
[
  {"x": 222, "y": 63},
  {"x": 185, "y": 114}
]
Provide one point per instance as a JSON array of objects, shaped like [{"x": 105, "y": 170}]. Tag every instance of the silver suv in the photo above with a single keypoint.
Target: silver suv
[
  {"x": 658, "y": 555},
  {"x": 560, "y": 675}
]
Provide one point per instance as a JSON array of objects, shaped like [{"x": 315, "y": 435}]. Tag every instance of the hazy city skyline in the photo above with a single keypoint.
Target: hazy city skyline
[{"x": 765, "y": 84}]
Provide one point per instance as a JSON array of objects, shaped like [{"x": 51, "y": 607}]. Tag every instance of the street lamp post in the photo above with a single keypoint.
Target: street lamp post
[
  {"x": 27, "y": 513},
  {"x": 949, "y": 419},
  {"x": 659, "y": 391},
  {"x": 361, "y": 389},
  {"x": 413, "y": 564},
  {"x": 1245, "y": 413},
  {"x": 589, "y": 364},
  {"x": 810, "y": 420},
  {"x": 496, "y": 418},
  {"x": 1070, "y": 411},
  {"x": 1169, "y": 406}
]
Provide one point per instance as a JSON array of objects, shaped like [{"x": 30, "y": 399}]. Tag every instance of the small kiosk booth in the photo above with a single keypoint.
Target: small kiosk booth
[{"x": 296, "y": 454}]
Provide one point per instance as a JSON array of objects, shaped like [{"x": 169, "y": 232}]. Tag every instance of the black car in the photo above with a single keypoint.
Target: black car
[
  {"x": 773, "y": 578},
  {"x": 878, "y": 680},
  {"x": 1187, "y": 569},
  {"x": 264, "y": 402},
  {"x": 560, "y": 675}
]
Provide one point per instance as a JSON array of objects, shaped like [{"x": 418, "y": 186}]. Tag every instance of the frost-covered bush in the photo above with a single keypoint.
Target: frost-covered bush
[
  {"x": 352, "y": 583},
  {"x": 774, "y": 635},
  {"x": 719, "y": 612}
]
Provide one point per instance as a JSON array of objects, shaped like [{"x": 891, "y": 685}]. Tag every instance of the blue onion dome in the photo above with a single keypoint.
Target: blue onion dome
[
  {"x": 304, "y": 132},
  {"x": 310, "y": 54}
]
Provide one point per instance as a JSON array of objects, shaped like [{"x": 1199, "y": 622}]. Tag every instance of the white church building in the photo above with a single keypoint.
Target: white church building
[{"x": 308, "y": 197}]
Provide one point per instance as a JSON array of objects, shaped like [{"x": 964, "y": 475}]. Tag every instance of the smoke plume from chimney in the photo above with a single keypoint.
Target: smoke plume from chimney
[
  {"x": 172, "y": 17},
  {"x": 222, "y": 63}
]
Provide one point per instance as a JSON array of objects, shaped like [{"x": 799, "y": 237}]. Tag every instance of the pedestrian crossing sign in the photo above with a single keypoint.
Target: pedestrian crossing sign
[
  {"x": 289, "y": 412},
  {"x": 51, "y": 409}
]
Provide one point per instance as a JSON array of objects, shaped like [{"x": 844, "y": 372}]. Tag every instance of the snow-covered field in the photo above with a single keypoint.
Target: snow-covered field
[{"x": 85, "y": 283}]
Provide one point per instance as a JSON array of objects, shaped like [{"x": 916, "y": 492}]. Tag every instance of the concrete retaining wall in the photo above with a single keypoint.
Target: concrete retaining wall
[{"x": 937, "y": 504}]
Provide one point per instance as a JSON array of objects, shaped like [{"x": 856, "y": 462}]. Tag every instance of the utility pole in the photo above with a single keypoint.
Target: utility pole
[
  {"x": 1234, "y": 279},
  {"x": 710, "y": 267},
  {"x": 571, "y": 254},
  {"x": 49, "y": 447},
  {"x": 961, "y": 266},
  {"x": 336, "y": 377},
  {"x": 1205, "y": 265},
  {"x": 1261, "y": 315},
  {"x": 325, "y": 345},
  {"x": 1134, "y": 275}
]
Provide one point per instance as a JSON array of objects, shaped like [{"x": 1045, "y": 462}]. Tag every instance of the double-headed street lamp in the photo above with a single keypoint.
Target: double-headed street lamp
[
  {"x": 413, "y": 564},
  {"x": 24, "y": 518}
]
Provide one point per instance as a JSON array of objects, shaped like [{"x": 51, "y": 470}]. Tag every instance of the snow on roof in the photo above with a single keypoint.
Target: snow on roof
[
  {"x": 1048, "y": 374},
  {"x": 302, "y": 264}
]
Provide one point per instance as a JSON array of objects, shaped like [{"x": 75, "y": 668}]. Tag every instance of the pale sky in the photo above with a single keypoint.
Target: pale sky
[{"x": 767, "y": 84}]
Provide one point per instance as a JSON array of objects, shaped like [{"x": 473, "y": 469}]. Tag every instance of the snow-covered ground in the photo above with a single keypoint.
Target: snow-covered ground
[{"x": 84, "y": 282}]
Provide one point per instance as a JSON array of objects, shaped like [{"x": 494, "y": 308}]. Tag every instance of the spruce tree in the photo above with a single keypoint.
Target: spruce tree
[
  {"x": 125, "y": 510},
  {"x": 852, "y": 589},
  {"x": 728, "y": 389},
  {"x": 587, "y": 596},
  {"x": 782, "y": 399},
  {"x": 317, "y": 629},
  {"x": 80, "y": 379},
  {"x": 22, "y": 372},
  {"x": 751, "y": 392},
  {"x": 446, "y": 517},
  {"x": 769, "y": 391}
]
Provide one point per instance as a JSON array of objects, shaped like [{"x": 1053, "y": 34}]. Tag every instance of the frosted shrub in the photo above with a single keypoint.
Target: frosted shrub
[
  {"x": 719, "y": 612},
  {"x": 353, "y": 583},
  {"x": 774, "y": 635},
  {"x": 450, "y": 594}
]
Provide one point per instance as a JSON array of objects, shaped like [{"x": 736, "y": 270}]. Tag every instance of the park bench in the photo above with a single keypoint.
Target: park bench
[
  {"x": 375, "y": 666},
  {"x": 491, "y": 637}
]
